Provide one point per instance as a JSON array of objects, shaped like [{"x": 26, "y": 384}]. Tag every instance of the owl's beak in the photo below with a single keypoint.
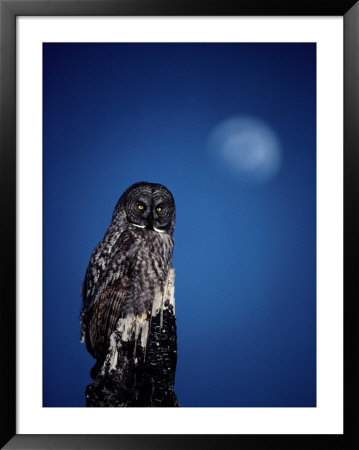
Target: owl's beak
[{"x": 149, "y": 225}]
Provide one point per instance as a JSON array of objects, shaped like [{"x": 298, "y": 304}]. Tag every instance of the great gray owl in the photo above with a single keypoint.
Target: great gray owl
[{"x": 129, "y": 263}]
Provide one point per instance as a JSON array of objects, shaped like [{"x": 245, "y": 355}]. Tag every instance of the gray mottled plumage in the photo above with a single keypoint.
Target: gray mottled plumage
[{"x": 129, "y": 264}]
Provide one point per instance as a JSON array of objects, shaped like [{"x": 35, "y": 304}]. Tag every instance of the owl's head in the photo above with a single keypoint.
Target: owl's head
[{"x": 149, "y": 206}]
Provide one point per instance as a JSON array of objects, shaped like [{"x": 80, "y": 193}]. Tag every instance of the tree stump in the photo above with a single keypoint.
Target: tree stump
[{"x": 140, "y": 365}]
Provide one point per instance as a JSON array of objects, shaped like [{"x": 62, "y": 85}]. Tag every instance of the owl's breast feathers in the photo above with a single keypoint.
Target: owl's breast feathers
[{"x": 121, "y": 278}]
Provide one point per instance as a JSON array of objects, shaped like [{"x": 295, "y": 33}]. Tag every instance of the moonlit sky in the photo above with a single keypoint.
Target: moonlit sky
[{"x": 230, "y": 129}]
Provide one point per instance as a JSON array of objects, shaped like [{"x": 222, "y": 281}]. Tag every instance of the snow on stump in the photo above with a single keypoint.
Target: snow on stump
[{"x": 140, "y": 365}]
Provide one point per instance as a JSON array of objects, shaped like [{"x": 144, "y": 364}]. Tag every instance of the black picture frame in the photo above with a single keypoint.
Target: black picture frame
[{"x": 9, "y": 10}]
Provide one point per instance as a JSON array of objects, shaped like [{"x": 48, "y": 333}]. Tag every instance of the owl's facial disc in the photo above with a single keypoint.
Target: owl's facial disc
[
  {"x": 150, "y": 207},
  {"x": 150, "y": 215}
]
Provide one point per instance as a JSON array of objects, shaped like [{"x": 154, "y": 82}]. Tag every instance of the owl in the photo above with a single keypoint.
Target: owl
[{"x": 129, "y": 265}]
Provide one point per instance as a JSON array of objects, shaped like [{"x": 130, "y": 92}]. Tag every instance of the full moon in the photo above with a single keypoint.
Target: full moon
[{"x": 247, "y": 148}]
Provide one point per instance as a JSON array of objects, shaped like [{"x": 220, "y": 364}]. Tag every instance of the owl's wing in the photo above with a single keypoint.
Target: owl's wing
[
  {"x": 103, "y": 318},
  {"x": 109, "y": 262},
  {"x": 104, "y": 290}
]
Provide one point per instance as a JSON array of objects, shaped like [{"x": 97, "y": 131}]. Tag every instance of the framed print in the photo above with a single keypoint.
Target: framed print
[{"x": 238, "y": 111}]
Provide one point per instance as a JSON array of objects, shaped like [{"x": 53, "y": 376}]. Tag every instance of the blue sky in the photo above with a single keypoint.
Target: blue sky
[{"x": 245, "y": 244}]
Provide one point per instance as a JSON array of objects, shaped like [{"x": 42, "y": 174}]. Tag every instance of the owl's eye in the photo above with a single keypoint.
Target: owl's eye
[
  {"x": 158, "y": 209},
  {"x": 140, "y": 206}
]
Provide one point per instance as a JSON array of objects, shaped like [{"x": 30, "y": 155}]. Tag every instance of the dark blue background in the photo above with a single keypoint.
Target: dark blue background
[{"x": 245, "y": 256}]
